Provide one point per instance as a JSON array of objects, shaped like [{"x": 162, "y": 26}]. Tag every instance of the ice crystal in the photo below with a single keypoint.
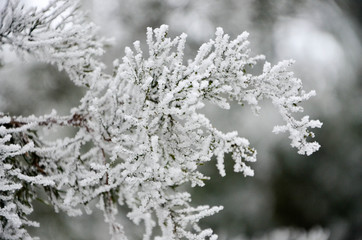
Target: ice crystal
[{"x": 146, "y": 134}]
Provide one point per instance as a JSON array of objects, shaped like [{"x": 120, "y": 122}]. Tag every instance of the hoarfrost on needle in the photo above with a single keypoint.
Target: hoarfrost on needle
[{"x": 144, "y": 133}]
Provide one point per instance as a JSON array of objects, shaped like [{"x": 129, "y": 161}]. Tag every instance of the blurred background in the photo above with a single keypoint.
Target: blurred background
[{"x": 288, "y": 190}]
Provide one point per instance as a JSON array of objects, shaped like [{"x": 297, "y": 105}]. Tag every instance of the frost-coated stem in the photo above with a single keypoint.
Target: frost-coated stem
[{"x": 139, "y": 134}]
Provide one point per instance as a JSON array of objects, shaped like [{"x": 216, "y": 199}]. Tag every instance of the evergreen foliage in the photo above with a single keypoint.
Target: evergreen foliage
[{"x": 140, "y": 136}]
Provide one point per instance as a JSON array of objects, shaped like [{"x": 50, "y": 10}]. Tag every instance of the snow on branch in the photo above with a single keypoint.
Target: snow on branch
[
  {"x": 139, "y": 133},
  {"x": 56, "y": 34}
]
